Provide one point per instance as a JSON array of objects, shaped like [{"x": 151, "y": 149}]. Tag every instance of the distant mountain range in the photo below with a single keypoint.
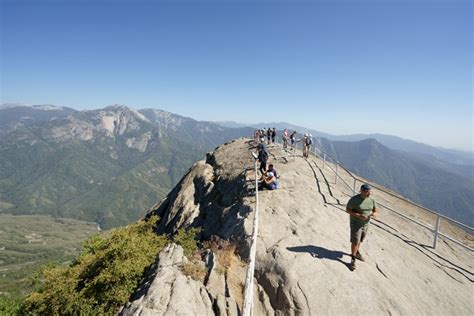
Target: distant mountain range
[
  {"x": 438, "y": 178},
  {"x": 17, "y": 116},
  {"x": 110, "y": 165},
  {"x": 106, "y": 165},
  {"x": 419, "y": 179},
  {"x": 394, "y": 142}
]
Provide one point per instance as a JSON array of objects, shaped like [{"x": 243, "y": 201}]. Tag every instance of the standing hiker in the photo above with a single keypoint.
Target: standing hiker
[
  {"x": 361, "y": 208},
  {"x": 285, "y": 138},
  {"x": 273, "y": 135},
  {"x": 293, "y": 138},
  {"x": 262, "y": 157},
  {"x": 307, "y": 141},
  {"x": 262, "y": 135}
]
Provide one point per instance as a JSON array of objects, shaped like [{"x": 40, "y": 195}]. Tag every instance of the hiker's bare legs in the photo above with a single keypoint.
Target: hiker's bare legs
[{"x": 354, "y": 248}]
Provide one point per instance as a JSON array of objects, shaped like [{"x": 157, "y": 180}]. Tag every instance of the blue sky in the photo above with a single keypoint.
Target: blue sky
[{"x": 389, "y": 66}]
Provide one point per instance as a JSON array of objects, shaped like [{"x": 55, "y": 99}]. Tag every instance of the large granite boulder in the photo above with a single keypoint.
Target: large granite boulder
[{"x": 302, "y": 248}]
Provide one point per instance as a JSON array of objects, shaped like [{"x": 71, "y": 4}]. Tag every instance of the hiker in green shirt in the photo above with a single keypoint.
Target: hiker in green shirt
[{"x": 361, "y": 208}]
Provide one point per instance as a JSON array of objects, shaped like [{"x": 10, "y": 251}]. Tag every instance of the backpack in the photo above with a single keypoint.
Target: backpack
[{"x": 309, "y": 141}]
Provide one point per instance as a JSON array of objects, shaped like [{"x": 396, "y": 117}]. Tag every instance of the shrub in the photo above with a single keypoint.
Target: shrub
[
  {"x": 188, "y": 240},
  {"x": 9, "y": 306},
  {"x": 102, "y": 278}
]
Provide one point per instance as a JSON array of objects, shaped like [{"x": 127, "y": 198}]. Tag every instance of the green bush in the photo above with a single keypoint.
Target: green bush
[
  {"x": 103, "y": 277},
  {"x": 9, "y": 306},
  {"x": 187, "y": 238}
]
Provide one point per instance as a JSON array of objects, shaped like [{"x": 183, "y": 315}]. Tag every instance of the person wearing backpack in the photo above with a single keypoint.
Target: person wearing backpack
[
  {"x": 273, "y": 135},
  {"x": 269, "y": 134}
]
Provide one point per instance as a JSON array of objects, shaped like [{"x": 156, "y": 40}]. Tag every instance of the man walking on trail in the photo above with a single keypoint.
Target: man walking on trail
[{"x": 361, "y": 208}]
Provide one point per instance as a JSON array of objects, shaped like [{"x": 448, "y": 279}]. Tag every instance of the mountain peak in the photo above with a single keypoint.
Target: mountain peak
[{"x": 116, "y": 107}]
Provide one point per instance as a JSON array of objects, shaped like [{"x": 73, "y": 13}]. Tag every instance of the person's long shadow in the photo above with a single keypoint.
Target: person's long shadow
[{"x": 321, "y": 253}]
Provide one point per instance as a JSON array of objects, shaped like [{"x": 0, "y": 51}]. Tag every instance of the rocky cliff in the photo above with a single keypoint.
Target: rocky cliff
[{"x": 302, "y": 248}]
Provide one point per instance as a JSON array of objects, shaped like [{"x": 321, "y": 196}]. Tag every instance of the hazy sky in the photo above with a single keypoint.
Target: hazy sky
[{"x": 390, "y": 66}]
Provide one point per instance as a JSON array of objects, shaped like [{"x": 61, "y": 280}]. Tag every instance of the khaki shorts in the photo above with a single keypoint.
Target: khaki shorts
[{"x": 358, "y": 233}]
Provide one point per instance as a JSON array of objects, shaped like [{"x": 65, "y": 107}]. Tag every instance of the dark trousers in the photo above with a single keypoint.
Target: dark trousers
[{"x": 263, "y": 166}]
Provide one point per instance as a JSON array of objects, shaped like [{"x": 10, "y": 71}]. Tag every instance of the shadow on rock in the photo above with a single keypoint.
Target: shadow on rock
[{"x": 321, "y": 253}]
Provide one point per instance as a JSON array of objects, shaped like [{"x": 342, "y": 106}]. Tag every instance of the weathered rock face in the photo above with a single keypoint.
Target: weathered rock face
[
  {"x": 168, "y": 291},
  {"x": 109, "y": 122},
  {"x": 139, "y": 143},
  {"x": 215, "y": 195},
  {"x": 303, "y": 247}
]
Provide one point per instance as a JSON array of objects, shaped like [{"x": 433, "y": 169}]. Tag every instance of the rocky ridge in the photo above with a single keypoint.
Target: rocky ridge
[{"x": 302, "y": 249}]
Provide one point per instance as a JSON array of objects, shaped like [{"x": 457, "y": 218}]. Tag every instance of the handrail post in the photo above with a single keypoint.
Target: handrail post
[
  {"x": 436, "y": 231},
  {"x": 335, "y": 180},
  {"x": 354, "y": 188},
  {"x": 324, "y": 160}
]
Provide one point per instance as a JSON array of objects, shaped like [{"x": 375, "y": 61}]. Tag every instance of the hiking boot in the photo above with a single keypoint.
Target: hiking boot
[
  {"x": 358, "y": 256},
  {"x": 352, "y": 265}
]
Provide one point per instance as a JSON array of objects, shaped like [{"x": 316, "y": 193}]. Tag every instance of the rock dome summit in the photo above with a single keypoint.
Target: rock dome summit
[{"x": 303, "y": 247}]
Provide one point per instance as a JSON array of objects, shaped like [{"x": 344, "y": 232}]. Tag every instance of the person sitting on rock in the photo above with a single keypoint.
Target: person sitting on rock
[
  {"x": 272, "y": 169},
  {"x": 269, "y": 182}
]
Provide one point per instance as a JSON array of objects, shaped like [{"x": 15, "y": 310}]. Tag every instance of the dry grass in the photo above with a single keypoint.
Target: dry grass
[
  {"x": 231, "y": 265},
  {"x": 195, "y": 269},
  {"x": 224, "y": 250}
]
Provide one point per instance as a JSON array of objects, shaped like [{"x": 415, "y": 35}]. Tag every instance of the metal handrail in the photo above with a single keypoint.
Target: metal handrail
[
  {"x": 394, "y": 195},
  {"x": 248, "y": 290},
  {"x": 436, "y": 230}
]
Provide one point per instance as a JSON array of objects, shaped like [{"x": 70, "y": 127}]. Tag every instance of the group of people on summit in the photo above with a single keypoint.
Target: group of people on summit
[
  {"x": 361, "y": 207},
  {"x": 261, "y": 134}
]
